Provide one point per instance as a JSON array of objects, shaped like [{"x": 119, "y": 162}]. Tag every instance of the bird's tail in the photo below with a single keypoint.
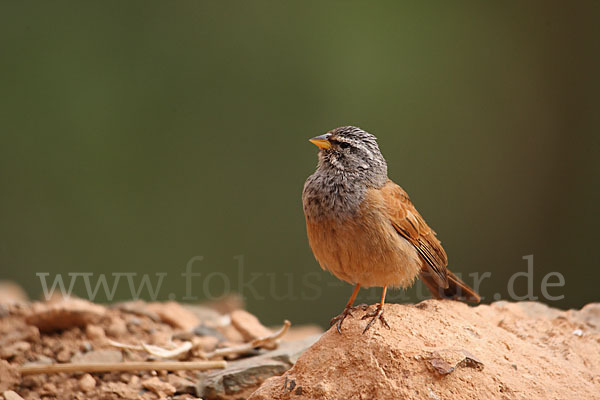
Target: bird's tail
[{"x": 456, "y": 290}]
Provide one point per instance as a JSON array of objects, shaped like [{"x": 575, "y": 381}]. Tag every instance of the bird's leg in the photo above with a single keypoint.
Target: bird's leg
[
  {"x": 377, "y": 314},
  {"x": 347, "y": 310}
]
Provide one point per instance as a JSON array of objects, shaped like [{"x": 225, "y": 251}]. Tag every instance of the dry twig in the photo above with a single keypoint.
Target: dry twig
[
  {"x": 156, "y": 351},
  {"x": 246, "y": 347},
  {"x": 124, "y": 366}
]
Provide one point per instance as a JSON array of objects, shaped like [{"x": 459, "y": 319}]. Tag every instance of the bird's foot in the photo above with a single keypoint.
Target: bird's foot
[
  {"x": 375, "y": 315},
  {"x": 347, "y": 312}
]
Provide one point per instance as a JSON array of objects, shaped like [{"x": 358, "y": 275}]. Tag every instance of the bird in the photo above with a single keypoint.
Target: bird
[{"x": 363, "y": 228}]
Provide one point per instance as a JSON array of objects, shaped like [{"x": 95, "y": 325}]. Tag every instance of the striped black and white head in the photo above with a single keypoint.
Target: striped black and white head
[{"x": 351, "y": 152}]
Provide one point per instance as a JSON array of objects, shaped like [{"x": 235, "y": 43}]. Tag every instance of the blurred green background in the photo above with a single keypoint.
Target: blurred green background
[{"x": 137, "y": 135}]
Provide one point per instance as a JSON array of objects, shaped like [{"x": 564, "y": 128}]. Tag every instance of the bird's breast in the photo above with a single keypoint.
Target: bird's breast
[{"x": 359, "y": 246}]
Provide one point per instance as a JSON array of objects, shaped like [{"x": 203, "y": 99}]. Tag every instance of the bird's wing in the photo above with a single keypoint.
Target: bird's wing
[{"x": 408, "y": 222}]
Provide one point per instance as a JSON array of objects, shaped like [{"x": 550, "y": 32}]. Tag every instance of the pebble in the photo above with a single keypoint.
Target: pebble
[
  {"x": 175, "y": 315},
  {"x": 10, "y": 395},
  {"x": 117, "y": 328},
  {"x": 87, "y": 383},
  {"x": 63, "y": 356},
  {"x": 95, "y": 332},
  {"x": 159, "y": 387},
  {"x": 14, "y": 349},
  {"x": 64, "y": 314},
  {"x": 248, "y": 325}
]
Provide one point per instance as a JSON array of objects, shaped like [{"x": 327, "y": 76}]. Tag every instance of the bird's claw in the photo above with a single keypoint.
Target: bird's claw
[
  {"x": 347, "y": 312},
  {"x": 375, "y": 315}
]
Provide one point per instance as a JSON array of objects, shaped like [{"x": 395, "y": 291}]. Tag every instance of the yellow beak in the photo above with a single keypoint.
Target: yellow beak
[{"x": 322, "y": 141}]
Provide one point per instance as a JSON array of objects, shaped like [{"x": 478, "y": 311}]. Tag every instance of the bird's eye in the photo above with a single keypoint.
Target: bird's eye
[{"x": 344, "y": 145}]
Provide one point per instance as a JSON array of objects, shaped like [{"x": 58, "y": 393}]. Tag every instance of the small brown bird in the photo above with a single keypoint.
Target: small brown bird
[{"x": 363, "y": 228}]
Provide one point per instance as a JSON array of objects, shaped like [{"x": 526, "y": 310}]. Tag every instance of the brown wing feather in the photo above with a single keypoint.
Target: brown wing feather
[{"x": 408, "y": 222}]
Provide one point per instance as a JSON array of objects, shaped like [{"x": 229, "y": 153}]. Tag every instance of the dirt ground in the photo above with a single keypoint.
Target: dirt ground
[
  {"x": 433, "y": 350},
  {"x": 74, "y": 331}
]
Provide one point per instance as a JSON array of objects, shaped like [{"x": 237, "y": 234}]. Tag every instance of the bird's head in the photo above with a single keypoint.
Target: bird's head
[{"x": 350, "y": 151}]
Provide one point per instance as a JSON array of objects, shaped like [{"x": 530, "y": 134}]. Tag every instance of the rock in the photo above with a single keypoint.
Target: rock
[
  {"x": 86, "y": 346},
  {"x": 10, "y": 395},
  {"x": 14, "y": 349},
  {"x": 159, "y": 387},
  {"x": 442, "y": 349},
  {"x": 232, "y": 336},
  {"x": 64, "y": 314},
  {"x": 248, "y": 325},
  {"x": 239, "y": 379},
  {"x": 175, "y": 315},
  {"x": 118, "y": 390},
  {"x": 87, "y": 383},
  {"x": 25, "y": 333},
  {"x": 203, "y": 330},
  {"x": 181, "y": 385},
  {"x": 446, "y": 361},
  {"x": 98, "y": 356},
  {"x": 11, "y": 293},
  {"x": 117, "y": 328},
  {"x": 9, "y": 376},
  {"x": 95, "y": 333},
  {"x": 205, "y": 343},
  {"x": 63, "y": 356},
  {"x": 242, "y": 377}
]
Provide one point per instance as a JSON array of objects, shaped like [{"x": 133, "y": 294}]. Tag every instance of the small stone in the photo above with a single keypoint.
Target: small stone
[
  {"x": 578, "y": 332},
  {"x": 161, "y": 338},
  {"x": 10, "y": 395},
  {"x": 98, "y": 356},
  {"x": 118, "y": 390},
  {"x": 205, "y": 343},
  {"x": 239, "y": 379},
  {"x": 49, "y": 388},
  {"x": 25, "y": 333},
  {"x": 87, "y": 383},
  {"x": 159, "y": 387},
  {"x": 232, "y": 335},
  {"x": 86, "y": 347},
  {"x": 32, "y": 381},
  {"x": 248, "y": 325},
  {"x": 446, "y": 361},
  {"x": 14, "y": 349},
  {"x": 63, "y": 356},
  {"x": 134, "y": 380},
  {"x": 203, "y": 330},
  {"x": 117, "y": 328},
  {"x": 175, "y": 315},
  {"x": 181, "y": 385},
  {"x": 9, "y": 376},
  {"x": 95, "y": 332},
  {"x": 64, "y": 314}
]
